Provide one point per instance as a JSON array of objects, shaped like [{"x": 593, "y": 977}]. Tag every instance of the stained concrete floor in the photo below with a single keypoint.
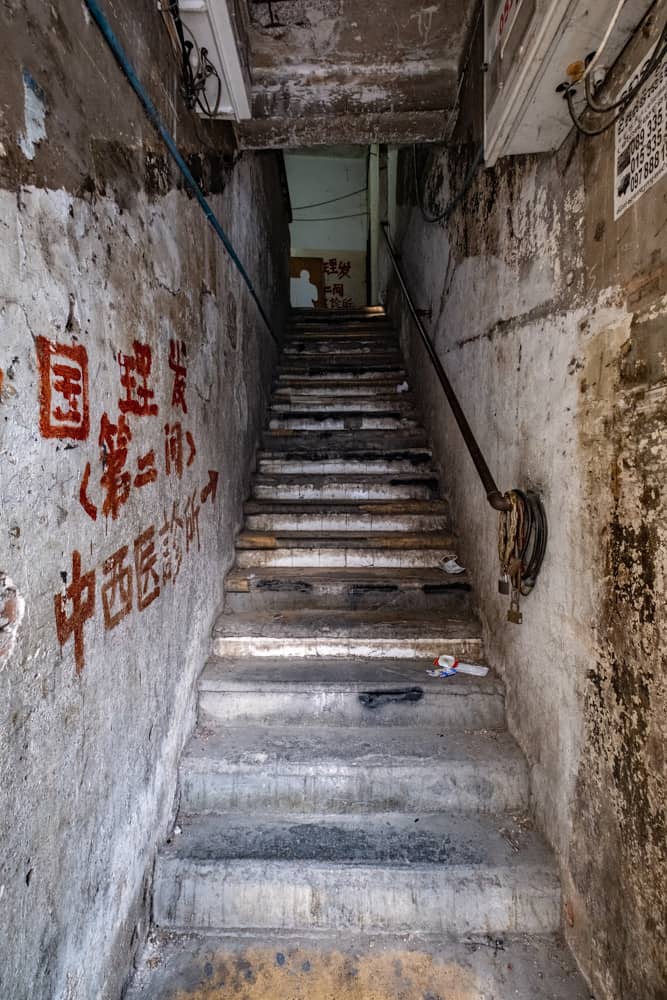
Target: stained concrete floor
[{"x": 183, "y": 967}]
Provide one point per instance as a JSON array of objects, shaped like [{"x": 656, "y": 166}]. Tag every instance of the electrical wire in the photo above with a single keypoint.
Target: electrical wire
[
  {"x": 340, "y": 197},
  {"x": 598, "y": 52},
  {"x": 625, "y": 99},
  {"x": 462, "y": 74},
  {"x": 458, "y": 197},
  {"x": 333, "y": 218},
  {"x": 447, "y": 211},
  {"x": 623, "y": 103},
  {"x": 155, "y": 119}
]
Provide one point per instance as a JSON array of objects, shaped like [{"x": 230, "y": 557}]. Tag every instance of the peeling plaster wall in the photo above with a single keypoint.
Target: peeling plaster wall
[
  {"x": 550, "y": 319},
  {"x": 102, "y": 250}
]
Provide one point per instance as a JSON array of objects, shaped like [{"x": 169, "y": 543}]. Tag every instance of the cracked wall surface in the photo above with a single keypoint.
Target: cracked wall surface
[
  {"x": 550, "y": 319},
  {"x": 134, "y": 370}
]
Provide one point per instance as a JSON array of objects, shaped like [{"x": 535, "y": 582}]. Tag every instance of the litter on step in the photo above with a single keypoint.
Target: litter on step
[
  {"x": 452, "y": 567},
  {"x": 449, "y": 665}
]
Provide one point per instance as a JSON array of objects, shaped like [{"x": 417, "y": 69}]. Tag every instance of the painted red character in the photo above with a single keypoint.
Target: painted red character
[{"x": 63, "y": 390}]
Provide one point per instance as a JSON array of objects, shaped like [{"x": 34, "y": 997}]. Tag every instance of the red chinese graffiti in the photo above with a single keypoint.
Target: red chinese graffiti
[
  {"x": 145, "y": 559},
  {"x": 147, "y": 469},
  {"x": 341, "y": 268},
  {"x": 173, "y": 449},
  {"x": 116, "y": 479},
  {"x": 85, "y": 501},
  {"x": 80, "y": 595},
  {"x": 135, "y": 370},
  {"x": 129, "y": 583},
  {"x": 172, "y": 537},
  {"x": 63, "y": 390},
  {"x": 117, "y": 589},
  {"x": 211, "y": 488},
  {"x": 177, "y": 355}
]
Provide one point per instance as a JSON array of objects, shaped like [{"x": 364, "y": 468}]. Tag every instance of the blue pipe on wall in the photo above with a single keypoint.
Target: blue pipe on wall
[{"x": 154, "y": 116}]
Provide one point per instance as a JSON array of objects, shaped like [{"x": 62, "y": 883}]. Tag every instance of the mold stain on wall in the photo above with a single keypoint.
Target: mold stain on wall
[
  {"x": 621, "y": 795},
  {"x": 550, "y": 319}
]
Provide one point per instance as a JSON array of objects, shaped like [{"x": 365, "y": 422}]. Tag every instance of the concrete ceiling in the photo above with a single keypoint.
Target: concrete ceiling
[{"x": 349, "y": 71}]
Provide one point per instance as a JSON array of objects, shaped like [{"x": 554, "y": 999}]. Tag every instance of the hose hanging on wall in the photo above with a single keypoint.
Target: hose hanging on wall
[{"x": 522, "y": 542}]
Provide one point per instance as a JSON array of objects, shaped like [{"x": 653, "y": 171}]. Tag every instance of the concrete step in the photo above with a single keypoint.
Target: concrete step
[
  {"x": 337, "y": 317},
  {"x": 415, "y": 486},
  {"x": 326, "y": 390},
  {"x": 353, "y": 343},
  {"x": 331, "y": 460},
  {"x": 379, "y": 337},
  {"x": 266, "y": 588},
  {"x": 336, "y": 324},
  {"x": 355, "y": 965},
  {"x": 334, "y": 365},
  {"x": 370, "y": 347},
  {"x": 344, "y": 548},
  {"x": 400, "y": 515},
  {"x": 343, "y": 383},
  {"x": 368, "y": 633},
  {"x": 293, "y": 692},
  {"x": 321, "y": 441},
  {"x": 339, "y": 769},
  {"x": 396, "y": 404},
  {"x": 348, "y": 373},
  {"x": 446, "y": 876},
  {"x": 355, "y": 422}
]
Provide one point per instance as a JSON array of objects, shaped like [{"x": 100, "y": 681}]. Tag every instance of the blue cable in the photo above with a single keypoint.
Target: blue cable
[{"x": 170, "y": 143}]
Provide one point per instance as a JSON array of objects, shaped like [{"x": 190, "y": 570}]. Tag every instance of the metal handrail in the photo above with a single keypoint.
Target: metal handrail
[{"x": 493, "y": 494}]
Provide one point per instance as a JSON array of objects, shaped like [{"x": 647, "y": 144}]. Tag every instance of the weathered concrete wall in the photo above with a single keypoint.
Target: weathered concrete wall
[
  {"x": 550, "y": 320},
  {"x": 134, "y": 369},
  {"x": 336, "y": 71}
]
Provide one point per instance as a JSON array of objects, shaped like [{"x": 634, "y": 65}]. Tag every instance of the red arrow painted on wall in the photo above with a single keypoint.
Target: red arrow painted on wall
[{"x": 211, "y": 487}]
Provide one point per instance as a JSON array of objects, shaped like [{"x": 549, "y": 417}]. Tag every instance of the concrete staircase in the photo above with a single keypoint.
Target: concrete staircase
[{"x": 333, "y": 792}]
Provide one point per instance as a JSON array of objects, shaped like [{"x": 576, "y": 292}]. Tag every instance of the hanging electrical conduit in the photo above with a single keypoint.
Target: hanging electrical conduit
[{"x": 155, "y": 119}]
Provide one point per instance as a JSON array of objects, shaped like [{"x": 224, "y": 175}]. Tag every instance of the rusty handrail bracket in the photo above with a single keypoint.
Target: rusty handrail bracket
[{"x": 493, "y": 494}]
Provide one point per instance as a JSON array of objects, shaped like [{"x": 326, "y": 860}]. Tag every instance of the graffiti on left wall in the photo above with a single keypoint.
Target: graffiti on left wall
[{"x": 133, "y": 576}]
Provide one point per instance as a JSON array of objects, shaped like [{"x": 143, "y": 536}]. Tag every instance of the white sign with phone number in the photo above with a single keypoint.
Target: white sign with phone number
[{"x": 641, "y": 138}]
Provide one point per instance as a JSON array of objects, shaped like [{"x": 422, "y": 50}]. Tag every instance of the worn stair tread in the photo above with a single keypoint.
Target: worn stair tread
[
  {"x": 350, "y": 966},
  {"x": 352, "y": 446},
  {"x": 437, "y": 839},
  {"x": 403, "y": 428},
  {"x": 396, "y": 507},
  {"x": 332, "y": 365},
  {"x": 317, "y": 352},
  {"x": 345, "y": 539},
  {"x": 315, "y": 411},
  {"x": 403, "y": 577},
  {"x": 326, "y": 390},
  {"x": 235, "y": 691},
  {"x": 393, "y": 403},
  {"x": 337, "y": 478},
  {"x": 322, "y": 449},
  {"x": 342, "y": 380},
  {"x": 345, "y": 674},
  {"x": 285, "y": 749},
  {"x": 369, "y": 623},
  {"x": 338, "y": 406}
]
